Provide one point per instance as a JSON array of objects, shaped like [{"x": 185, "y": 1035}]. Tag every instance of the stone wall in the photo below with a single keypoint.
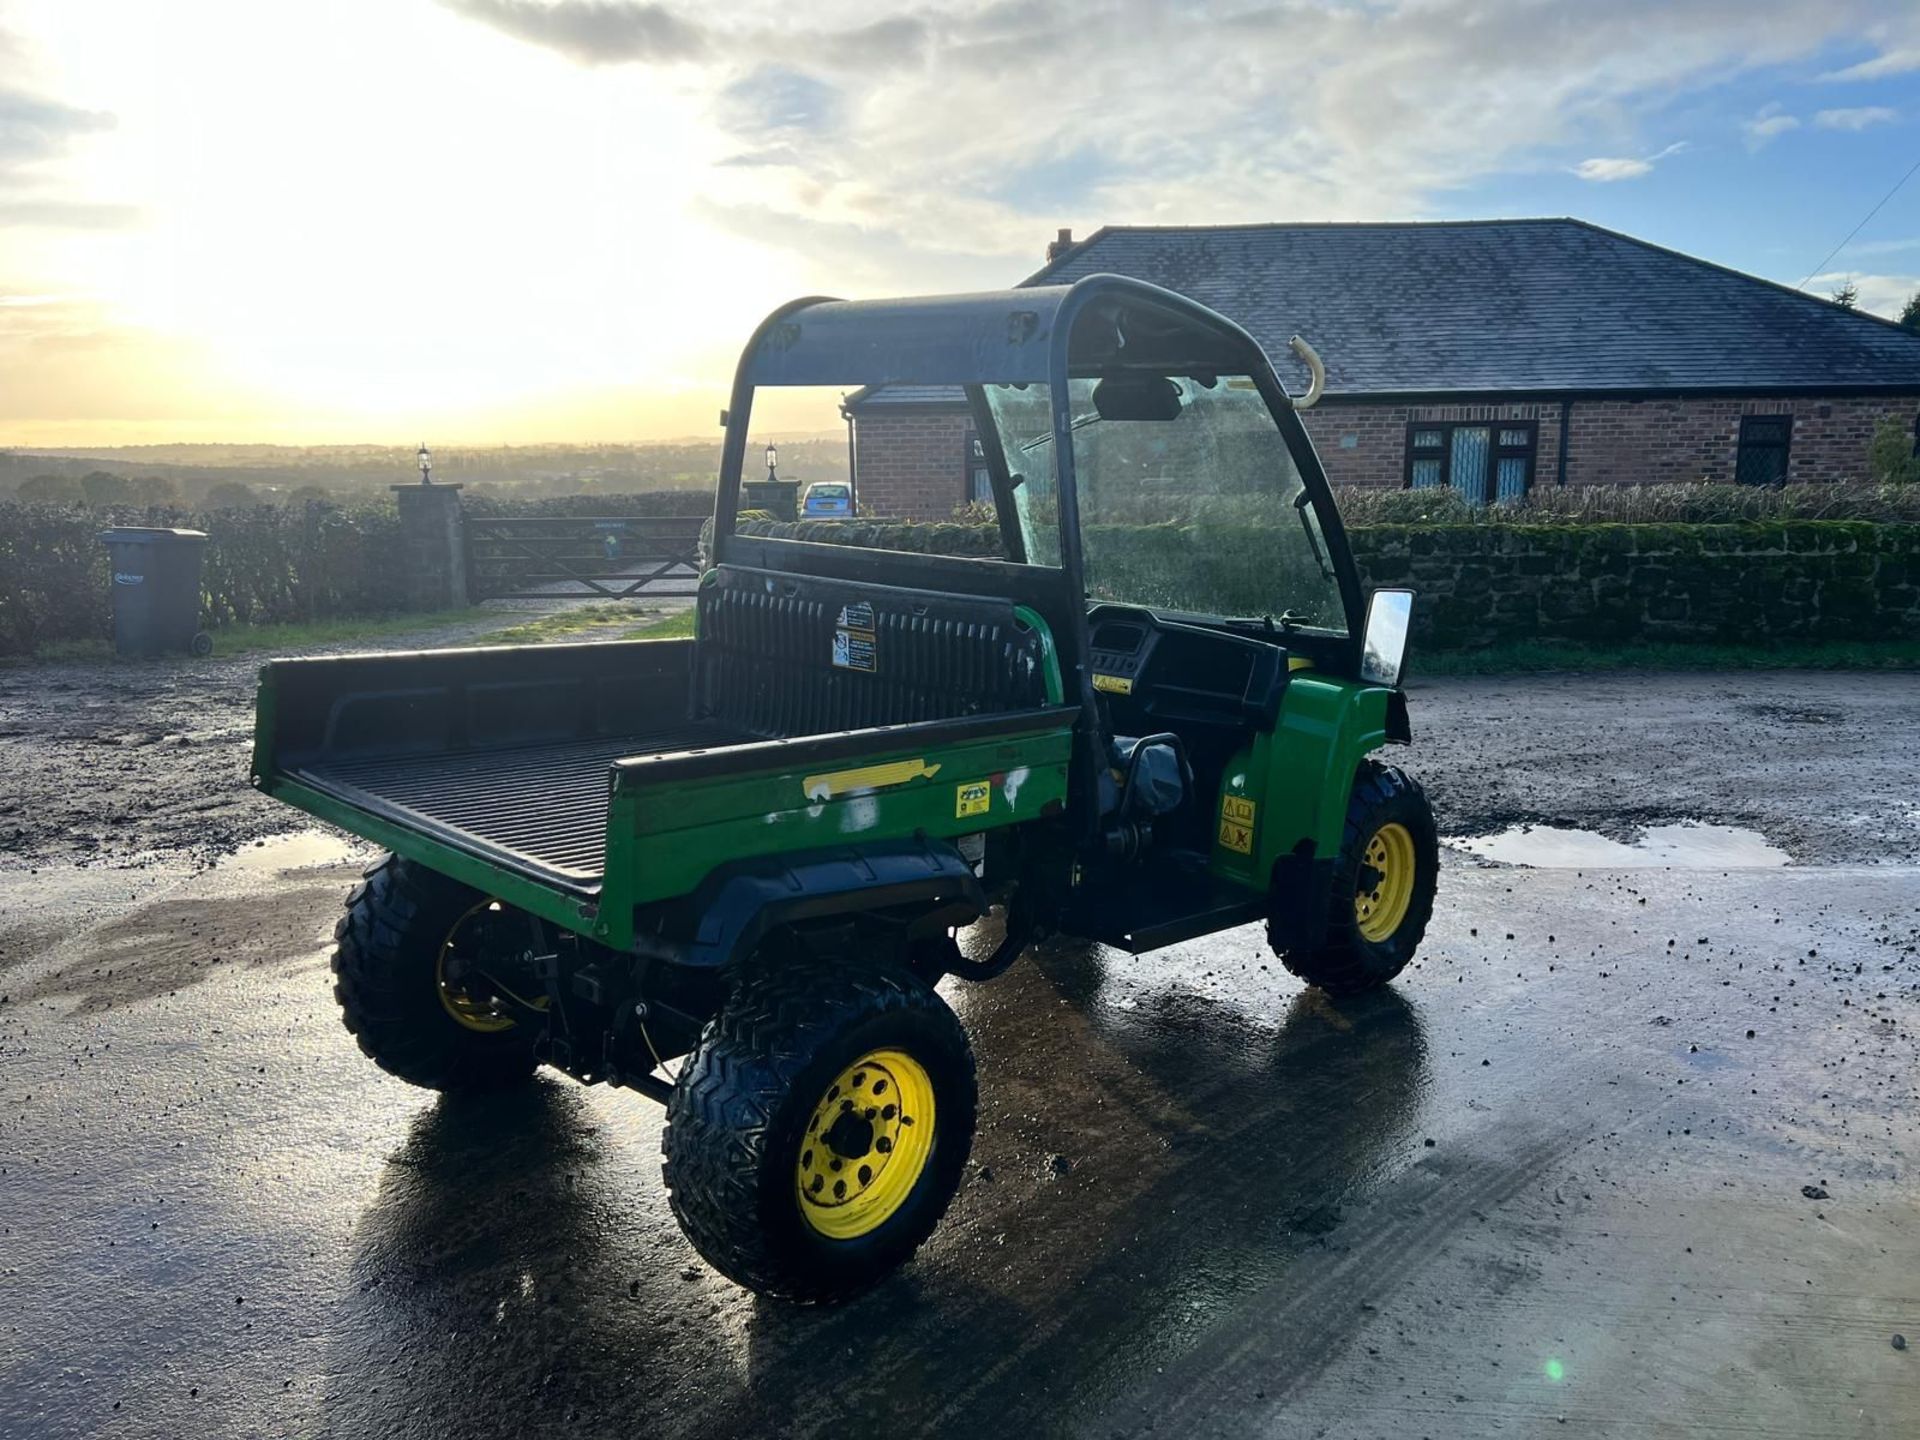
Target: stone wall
[
  {"x": 1603, "y": 584},
  {"x": 1619, "y": 584}
]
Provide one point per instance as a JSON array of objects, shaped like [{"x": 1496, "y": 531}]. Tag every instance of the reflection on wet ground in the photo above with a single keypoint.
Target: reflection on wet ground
[
  {"x": 1201, "y": 1196},
  {"x": 1684, "y": 846},
  {"x": 499, "y": 1232}
]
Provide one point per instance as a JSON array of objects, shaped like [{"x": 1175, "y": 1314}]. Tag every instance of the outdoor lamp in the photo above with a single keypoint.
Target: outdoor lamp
[
  {"x": 426, "y": 465},
  {"x": 772, "y": 452}
]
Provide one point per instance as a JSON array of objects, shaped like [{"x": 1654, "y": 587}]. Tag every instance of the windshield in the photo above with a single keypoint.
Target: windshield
[{"x": 1197, "y": 509}]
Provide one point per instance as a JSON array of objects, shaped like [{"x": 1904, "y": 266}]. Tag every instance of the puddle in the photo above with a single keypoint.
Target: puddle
[
  {"x": 302, "y": 850},
  {"x": 1685, "y": 846}
]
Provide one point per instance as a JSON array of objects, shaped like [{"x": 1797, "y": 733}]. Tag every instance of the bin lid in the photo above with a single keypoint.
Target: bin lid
[{"x": 148, "y": 535}]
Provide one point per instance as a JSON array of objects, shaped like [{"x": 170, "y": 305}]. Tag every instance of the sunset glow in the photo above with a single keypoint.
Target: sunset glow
[{"x": 501, "y": 220}]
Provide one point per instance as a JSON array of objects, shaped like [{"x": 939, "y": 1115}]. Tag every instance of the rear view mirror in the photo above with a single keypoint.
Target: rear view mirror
[
  {"x": 1383, "y": 657},
  {"x": 1136, "y": 397}
]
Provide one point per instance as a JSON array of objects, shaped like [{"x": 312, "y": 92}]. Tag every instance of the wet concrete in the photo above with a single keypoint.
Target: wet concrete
[
  {"x": 1549, "y": 1174},
  {"x": 1630, "y": 1152}
]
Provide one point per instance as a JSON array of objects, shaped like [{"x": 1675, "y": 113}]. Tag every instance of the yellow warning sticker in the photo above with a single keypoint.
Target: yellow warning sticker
[
  {"x": 1113, "y": 684},
  {"x": 972, "y": 798},
  {"x": 1236, "y": 824}
]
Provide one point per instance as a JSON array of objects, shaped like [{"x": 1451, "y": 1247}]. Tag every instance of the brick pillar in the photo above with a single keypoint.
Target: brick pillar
[{"x": 431, "y": 517}]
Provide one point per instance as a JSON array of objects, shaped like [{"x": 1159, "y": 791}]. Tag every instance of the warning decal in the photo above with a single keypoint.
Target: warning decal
[
  {"x": 853, "y": 638},
  {"x": 1236, "y": 824},
  {"x": 972, "y": 798}
]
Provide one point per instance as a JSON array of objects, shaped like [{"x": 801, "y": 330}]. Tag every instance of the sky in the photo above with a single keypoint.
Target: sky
[{"x": 520, "y": 221}]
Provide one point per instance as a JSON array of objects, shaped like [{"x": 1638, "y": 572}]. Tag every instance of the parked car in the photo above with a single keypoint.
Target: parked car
[{"x": 826, "y": 497}]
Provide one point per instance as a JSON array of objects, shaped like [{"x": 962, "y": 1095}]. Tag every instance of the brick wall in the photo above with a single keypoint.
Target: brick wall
[
  {"x": 911, "y": 466},
  {"x": 1618, "y": 442},
  {"x": 1367, "y": 444}
]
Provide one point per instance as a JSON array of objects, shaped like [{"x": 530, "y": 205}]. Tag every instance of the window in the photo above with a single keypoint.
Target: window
[
  {"x": 976, "y": 484},
  {"x": 1483, "y": 461},
  {"x": 1196, "y": 511},
  {"x": 1763, "y": 449}
]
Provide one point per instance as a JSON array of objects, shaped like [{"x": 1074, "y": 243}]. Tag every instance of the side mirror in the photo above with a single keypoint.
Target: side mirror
[{"x": 1383, "y": 655}]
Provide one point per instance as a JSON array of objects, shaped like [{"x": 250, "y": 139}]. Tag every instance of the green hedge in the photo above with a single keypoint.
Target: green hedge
[
  {"x": 263, "y": 564},
  {"x": 1482, "y": 584},
  {"x": 267, "y": 563}
]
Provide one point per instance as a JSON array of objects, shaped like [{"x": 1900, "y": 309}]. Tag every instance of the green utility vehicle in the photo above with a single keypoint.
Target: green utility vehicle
[{"x": 727, "y": 872}]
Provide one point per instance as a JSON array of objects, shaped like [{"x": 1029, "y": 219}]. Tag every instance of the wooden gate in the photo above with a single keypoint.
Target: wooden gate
[{"x": 569, "y": 557}]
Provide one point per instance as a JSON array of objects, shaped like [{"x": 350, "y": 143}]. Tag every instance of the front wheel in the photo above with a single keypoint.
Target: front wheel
[
  {"x": 820, "y": 1127},
  {"x": 1383, "y": 886}
]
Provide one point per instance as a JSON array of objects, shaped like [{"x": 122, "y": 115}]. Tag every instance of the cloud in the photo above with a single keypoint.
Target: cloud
[
  {"x": 35, "y": 134},
  {"x": 1858, "y": 118},
  {"x": 1896, "y": 61},
  {"x": 619, "y": 32},
  {"x": 52, "y": 214},
  {"x": 1603, "y": 170},
  {"x": 595, "y": 32},
  {"x": 33, "y": 129},
  {"x": 1767, "y": 124}
]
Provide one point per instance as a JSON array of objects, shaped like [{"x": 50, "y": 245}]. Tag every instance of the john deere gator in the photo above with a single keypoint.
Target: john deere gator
[{"x": 727, "y": 872}]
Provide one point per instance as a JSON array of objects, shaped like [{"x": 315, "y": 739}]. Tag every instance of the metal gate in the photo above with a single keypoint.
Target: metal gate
[{"x": 569, "y": 557}]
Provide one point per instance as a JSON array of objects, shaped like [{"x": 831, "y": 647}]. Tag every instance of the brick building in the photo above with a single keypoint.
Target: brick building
[{"x": 1491, "y": 356}]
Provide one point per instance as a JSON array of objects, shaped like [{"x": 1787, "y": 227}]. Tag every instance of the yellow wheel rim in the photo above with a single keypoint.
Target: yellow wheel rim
[
  {"x": 866, "y": 1145},
  {"x": 1385, "y": 889},
  {"x": 470, "y": 1006}
]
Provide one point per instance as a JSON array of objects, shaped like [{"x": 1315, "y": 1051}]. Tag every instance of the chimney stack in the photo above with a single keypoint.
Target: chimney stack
[{"x": 1059, "y": 245}]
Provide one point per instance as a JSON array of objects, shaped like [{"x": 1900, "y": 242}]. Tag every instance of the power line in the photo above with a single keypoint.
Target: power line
[{"x": 1861, "y": 226}]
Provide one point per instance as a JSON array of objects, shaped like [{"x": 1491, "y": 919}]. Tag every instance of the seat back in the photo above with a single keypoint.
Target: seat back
[{"x": 784, "y": 655}]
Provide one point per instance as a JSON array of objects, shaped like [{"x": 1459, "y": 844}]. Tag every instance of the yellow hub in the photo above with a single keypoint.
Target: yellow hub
[
  {"x": 1385, "y": 890},
  {"x": 470, "y": 1006},
  {"x": 866, "y": 1145}
]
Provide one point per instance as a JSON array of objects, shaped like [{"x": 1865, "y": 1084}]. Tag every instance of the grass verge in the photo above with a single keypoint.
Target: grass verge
[
  {"x": 593, "y": 622},
  {"x": 1523, "y": 656}
]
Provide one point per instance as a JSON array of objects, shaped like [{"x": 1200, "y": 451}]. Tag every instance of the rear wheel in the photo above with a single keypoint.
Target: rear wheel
[
  {"x": 1383, "y": 886},
  {"x": 820, "y": 1127},
  {"x": 419, "y": 965}
]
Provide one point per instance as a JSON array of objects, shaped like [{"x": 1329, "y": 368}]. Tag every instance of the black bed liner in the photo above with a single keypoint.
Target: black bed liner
[{"x": 542, "y": 804}]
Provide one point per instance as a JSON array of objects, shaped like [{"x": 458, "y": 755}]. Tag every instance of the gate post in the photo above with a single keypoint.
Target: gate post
[{"x": 433, "y": 522}]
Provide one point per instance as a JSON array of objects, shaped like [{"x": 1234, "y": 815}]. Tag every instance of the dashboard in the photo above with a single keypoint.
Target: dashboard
[{"x": 1172, "y": 673}]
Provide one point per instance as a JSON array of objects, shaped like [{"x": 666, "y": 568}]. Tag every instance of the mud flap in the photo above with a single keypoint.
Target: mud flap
[{"x": 1301, "y": 892}]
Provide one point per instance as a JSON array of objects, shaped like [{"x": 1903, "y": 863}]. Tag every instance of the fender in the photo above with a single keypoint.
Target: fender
[{"x": 734, "y": 908}]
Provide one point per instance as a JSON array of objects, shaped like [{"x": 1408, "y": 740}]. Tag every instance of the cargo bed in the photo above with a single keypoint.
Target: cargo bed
[
  {"x": 542, "y": 804},
  {"x": 519, "y": 769}
]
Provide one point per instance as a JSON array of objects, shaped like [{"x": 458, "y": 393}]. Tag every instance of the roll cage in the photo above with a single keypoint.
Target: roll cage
[{"x": 1096, "y": 327}]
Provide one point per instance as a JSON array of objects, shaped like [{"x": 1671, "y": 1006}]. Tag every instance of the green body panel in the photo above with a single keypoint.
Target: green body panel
[
  {"x": 1298, "y": 777},
  {"x": 664, "y": 837}
]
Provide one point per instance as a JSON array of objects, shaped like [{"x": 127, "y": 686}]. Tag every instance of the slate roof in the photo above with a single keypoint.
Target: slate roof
[{"x": 1497, "y": 306}]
